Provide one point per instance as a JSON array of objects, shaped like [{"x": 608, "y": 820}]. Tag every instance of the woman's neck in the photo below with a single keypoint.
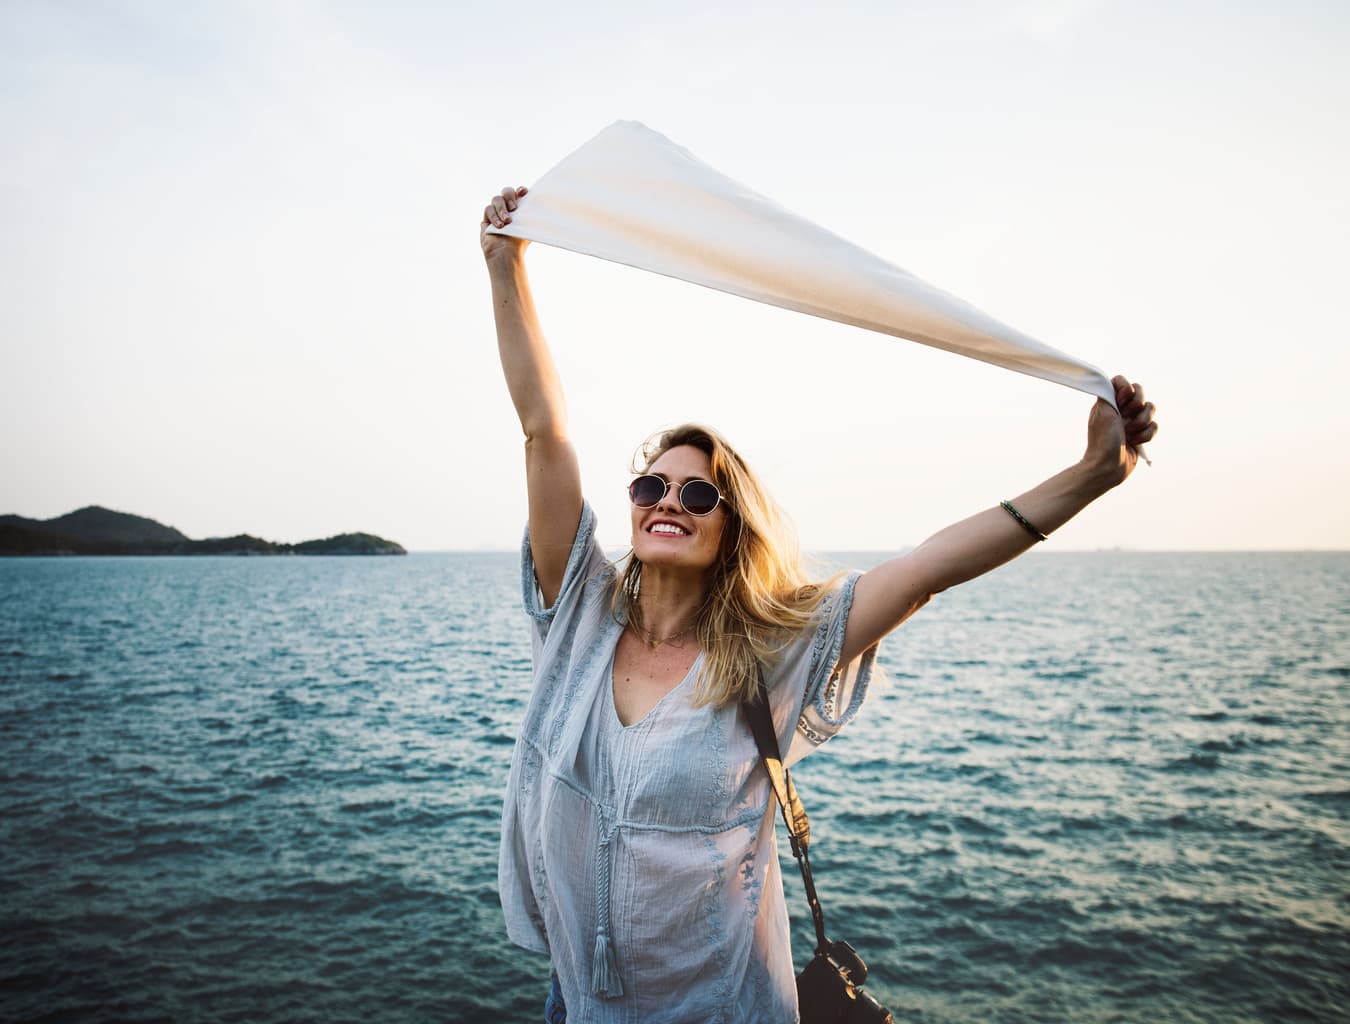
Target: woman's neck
[{"x": 669, "y": 602}]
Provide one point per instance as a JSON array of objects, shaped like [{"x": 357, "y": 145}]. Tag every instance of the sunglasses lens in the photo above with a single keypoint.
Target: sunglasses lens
[
  {"x": 646, "y": 491},
  {"x": 699, "y": 497}
]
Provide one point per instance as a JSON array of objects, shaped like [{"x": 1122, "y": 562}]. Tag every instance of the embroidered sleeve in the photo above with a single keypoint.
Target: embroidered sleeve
[
  {"x": 818, "y": 695},
  {"x": 585, "y": 557}
]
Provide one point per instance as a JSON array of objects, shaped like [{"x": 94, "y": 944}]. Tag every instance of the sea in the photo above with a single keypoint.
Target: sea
[{"x": 1090, "y": 787}]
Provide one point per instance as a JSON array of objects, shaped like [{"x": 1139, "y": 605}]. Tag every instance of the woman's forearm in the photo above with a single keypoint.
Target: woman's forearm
[
  {"x": 552, "y": 475},
  {"x": 895, "y": 589},
  {"x": 531, "y": 376},
  {"x": 988, "y": 539}
]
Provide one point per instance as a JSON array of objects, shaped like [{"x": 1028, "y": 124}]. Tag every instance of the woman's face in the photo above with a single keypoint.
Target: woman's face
[{"x": 667, "y": 535}]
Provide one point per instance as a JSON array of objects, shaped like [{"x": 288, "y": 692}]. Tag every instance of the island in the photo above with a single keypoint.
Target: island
[{"x": 95, "y": 530}]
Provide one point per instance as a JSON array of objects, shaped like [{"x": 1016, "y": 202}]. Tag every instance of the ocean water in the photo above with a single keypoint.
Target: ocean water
[{"x": 1093, "y": 788}]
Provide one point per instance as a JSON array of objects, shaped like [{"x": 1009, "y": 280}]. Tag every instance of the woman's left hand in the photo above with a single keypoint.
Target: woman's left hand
[{"x": 1114, "y": 438}]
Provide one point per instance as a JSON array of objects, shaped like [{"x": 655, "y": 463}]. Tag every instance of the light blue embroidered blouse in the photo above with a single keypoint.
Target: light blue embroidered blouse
[{"x": 641, "y": 859}]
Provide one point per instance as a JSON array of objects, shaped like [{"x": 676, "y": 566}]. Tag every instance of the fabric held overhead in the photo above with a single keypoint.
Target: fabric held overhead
[{"x": 632, "y": 196}]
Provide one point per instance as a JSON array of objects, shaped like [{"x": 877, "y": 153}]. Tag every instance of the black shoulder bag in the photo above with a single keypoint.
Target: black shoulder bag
[{"x": 829, "y": 990}]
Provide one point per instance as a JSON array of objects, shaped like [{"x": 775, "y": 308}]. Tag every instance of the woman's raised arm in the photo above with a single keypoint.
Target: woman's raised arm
[
  {"x": 552, "y": 476},
  {"x": 894, "y": 590}
]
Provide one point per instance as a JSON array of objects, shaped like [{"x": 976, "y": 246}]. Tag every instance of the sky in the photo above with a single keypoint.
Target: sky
[{"x": 241, "y": 287}]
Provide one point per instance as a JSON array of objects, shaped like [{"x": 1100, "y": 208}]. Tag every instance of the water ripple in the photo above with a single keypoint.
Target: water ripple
[{"x": 269, "y": 790}]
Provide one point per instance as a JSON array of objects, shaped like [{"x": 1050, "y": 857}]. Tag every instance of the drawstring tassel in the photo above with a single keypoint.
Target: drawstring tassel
[{"x": 604, "y": 971}]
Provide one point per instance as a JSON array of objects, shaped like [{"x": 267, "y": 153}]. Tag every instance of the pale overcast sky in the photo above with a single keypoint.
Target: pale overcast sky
[{"x": 241, "y": 290}]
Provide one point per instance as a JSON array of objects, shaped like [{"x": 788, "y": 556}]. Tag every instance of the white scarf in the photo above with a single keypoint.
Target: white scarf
[{"x": 632, "y": 196}]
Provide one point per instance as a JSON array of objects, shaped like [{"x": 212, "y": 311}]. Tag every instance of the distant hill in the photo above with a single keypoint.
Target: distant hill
[
  {"x": 95, "y": 523},
  {"x": 95, "y": 530}
]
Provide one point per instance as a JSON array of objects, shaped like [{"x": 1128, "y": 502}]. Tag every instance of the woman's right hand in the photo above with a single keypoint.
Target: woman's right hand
[{"x": 497, "y": 214}]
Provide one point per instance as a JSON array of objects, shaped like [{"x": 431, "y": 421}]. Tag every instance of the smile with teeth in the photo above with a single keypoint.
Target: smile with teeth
[{"x": 668, "y": 529}]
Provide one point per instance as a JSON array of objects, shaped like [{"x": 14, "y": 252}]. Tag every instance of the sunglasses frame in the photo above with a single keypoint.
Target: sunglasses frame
[{"x": 679, "y": 493}]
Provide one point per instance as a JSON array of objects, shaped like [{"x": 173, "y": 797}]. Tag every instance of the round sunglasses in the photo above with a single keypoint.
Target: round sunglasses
[{"x": 697, "y": 497}]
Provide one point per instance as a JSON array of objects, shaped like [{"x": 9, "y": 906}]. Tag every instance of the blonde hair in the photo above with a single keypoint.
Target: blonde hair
[{"x": 758, "y": 593}]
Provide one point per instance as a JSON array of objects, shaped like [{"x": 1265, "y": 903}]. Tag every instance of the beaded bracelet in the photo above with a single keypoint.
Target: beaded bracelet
[{"x": 1007, "y": 507}]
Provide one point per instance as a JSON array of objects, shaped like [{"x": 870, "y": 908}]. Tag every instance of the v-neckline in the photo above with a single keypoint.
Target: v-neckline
[{"x": 614, "y": 708}]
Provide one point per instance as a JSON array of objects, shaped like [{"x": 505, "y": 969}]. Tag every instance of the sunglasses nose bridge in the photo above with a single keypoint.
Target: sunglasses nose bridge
[{"x": 671, "y": 498}]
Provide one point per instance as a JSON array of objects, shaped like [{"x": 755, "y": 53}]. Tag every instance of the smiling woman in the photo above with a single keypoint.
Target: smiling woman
[
  {"x": 738, "y": 559},
  {"x": 638, "y": 846}
]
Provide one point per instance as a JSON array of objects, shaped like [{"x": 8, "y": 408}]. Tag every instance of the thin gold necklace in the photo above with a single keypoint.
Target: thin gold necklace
[{"x": 654, "y": 641}]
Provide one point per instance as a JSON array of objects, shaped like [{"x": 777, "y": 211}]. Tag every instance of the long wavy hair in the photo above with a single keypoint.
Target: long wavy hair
[{"x": 758, "y": 592}]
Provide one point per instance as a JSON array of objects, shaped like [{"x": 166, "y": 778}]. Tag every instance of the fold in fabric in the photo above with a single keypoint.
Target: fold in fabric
[{"x": 632, "y": 196}]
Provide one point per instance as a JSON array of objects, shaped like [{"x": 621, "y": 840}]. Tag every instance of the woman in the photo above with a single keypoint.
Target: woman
[{"x": 637, "y": 835}]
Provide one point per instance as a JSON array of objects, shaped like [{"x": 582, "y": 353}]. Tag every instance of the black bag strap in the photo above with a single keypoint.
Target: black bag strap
[{"x": 794, "y": 814}]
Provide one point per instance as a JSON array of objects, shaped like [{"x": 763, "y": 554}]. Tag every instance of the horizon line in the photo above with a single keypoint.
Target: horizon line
[{"x": 902, "y": 550}]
